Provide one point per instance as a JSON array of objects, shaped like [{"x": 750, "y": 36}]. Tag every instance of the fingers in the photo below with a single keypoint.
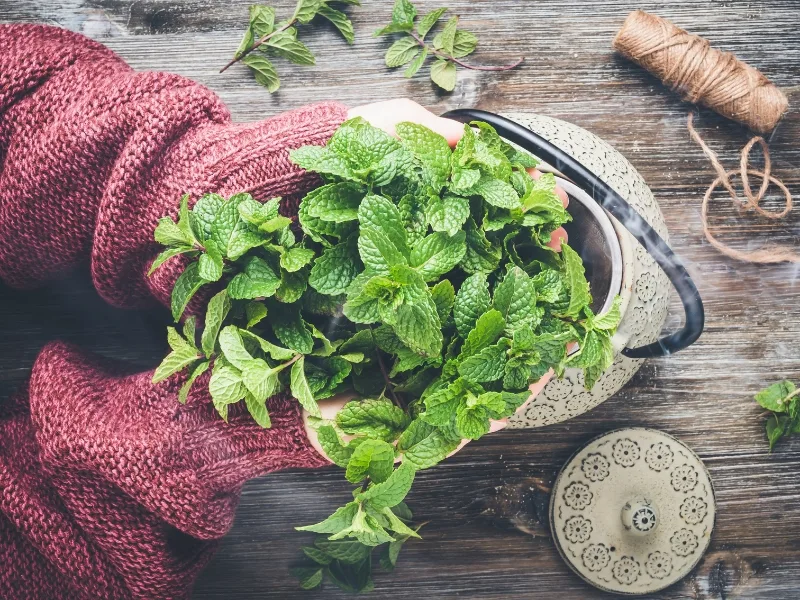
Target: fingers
[
  {"x": 558, "y": 236},
  {"x": 386, "y": 115}
]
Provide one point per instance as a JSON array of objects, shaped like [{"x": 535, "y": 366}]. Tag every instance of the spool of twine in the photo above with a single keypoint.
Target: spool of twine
[
  {"x": 701, "y": 74},
  {"x": 704, "y": 75}
]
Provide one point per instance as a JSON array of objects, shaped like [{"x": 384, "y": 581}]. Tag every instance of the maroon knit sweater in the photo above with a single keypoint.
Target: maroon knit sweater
[{"x": 108, "y": 487}]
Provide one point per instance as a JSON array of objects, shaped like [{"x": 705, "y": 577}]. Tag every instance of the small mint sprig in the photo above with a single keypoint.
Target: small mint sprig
[
  {"x": 449, "y": 46},
  {"x": 280, "y": 39},
  {"x": 782, "y": 399}
]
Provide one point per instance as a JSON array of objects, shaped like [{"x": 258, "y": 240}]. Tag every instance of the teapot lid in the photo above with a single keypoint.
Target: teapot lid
[{"x": 632, "y": 511}]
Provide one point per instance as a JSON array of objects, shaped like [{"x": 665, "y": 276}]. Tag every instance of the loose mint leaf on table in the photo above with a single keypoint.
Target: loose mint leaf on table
[
  {"x": 443, "y": 74},
  {"x": 391, "y": 492},
  {"x": 339, "y": 520},
  {"x": 776, "y": 397}
]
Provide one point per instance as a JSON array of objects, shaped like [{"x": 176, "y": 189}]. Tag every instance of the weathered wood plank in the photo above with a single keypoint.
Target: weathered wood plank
[{"x": 488, "y": 535}]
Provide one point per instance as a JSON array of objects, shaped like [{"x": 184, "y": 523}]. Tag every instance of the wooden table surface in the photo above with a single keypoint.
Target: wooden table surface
[{"x": 488, "y": 535}]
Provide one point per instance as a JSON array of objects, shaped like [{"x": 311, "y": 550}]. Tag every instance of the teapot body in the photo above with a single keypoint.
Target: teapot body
[{"x": 645, "y": 288}]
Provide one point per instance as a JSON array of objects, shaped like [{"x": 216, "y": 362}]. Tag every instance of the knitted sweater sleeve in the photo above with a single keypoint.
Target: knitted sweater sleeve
[{"x": 108, "y": 487}]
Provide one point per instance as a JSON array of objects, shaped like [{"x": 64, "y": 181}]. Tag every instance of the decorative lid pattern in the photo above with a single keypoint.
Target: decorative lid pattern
[{"x": 632, "y": 512}]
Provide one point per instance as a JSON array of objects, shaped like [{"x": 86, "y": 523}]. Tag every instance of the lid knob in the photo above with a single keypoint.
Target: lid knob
[{"x": 639, "y": 517}]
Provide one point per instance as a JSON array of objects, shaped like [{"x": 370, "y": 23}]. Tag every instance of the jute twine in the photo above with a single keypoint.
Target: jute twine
[{"x": 702, "y": 74}]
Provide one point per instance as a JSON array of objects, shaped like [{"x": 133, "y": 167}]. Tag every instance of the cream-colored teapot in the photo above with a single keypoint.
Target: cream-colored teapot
[{"x": 620, "y": 233}]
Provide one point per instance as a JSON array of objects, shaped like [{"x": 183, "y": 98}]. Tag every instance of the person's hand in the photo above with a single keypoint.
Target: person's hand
[{"x": 386, "y": 115}]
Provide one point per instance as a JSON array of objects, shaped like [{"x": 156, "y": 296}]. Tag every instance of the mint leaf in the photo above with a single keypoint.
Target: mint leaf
[
  {"x": 487, "y": 331},
  {"x": 487, "y": 365},
  {"x": 443, "y": 295},
  {"x": 471, "y": 302},
  {"x": 341, "y": 519},
  {"x": 306, "y": 10},
  {"x": 549, "y": 286},
  {"x": 255, "y": 312},
  {"x": 322, "y": 160},
  {"x": 443, "y": 74},
  {"x": 424, "y": 445},
  {"x": 292, "y": 286},
  {"x": 301, "y": 390},
  {"x": 401, "y": 52},
  {"x": 448, "y": 214},
  {"x": 496, "y": 192},
  {"x": 416, "y": 64},
  {"x": 472, "y": 423},
  {"x": 336, "y": 202},
  {"x": 217, "y": 310},
  {"x": 257, "y": 280},
  {"x": 175, "y": 361},
  {"x": 610, "y": 319},
  {"x": 775, "y": 397},
  {"x": 262, "y": 20},
  {"x": 168, "y": 233},
  {"x": 777, "y": 427},
  {"x": 431, "y": 151},
  {"x": 415, "y": 321},
  {"x": 464, "y": 44},
  {"x": 372, "y": 458},
  {"x": 291, "y": 330},
  {"x": 366, "y": 529},
  {"x": 334, "y": 271},
  {"x": 403, "y": 16},
  {"x": 339, "y": 20},
  {"x": 275, "y": 352},
  {"x": 464, "y": 180},
  {"x": 194, "y": 373},
  {"x": 332, "y": 445},
  {"x": 575, "y": 280},
  {"x": 185, "y": 288},
  {"x": 167, "y": 254},
  {"x": 437, "y": 254},
  {"x": 372, "y": 417},
  {"x": 392, "y": 491},
  {"x": 348, "y": 552},
  {"x": 233, "y": 349},
  {"x": 515, "y": 299},
  {"x": 225, "y": 387},
  {"x": 383, "y": 239},
  {"x": 210, "y": 263},
  {"x": 204, "y": 213},
  {"x": 427, "y": 22},
  {"x": 445, "y": 39},
  {"x": 481, "y": 256},
  {"x": 258, "y": 410},
  {"x": 296, "y": 258}
]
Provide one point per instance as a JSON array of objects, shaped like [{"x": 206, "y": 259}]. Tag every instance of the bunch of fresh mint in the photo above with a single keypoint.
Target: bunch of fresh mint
[
  {"x": 418, "y": 277},
  {"x": 280, "y": 39},
  {"x": 783, "y": 400},
  {"x": 448, "y": 48}
]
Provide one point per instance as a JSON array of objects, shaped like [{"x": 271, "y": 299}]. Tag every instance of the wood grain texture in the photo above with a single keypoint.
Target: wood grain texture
[{"x": 488, "y": 536}]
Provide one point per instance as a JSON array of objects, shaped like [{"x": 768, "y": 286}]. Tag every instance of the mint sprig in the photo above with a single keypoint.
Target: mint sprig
[
  {"x": 417, "y": 277},
  {"x": 782, "y": 399},
  {"x": 279, "y": 39},
  {"x": 448, "y": 47}
]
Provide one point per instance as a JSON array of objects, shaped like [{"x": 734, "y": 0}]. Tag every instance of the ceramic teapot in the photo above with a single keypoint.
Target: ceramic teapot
[{"x": 620, "y": 233}]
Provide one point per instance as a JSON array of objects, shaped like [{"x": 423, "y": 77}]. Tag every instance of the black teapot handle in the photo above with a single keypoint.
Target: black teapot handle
[{"x": 604, "y": 195}]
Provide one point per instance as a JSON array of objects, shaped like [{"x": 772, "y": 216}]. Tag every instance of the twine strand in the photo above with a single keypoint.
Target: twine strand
[{"x": 768, "y": 254}]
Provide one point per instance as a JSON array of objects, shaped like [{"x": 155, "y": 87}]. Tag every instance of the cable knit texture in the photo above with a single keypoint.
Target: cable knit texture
[{"x": 108, "y": 487}]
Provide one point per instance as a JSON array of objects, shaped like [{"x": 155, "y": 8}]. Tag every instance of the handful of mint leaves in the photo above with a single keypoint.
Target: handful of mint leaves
[{"x": 417, "y": 277}]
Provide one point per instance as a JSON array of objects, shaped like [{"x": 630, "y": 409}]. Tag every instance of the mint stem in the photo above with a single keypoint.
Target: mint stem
[
  {"x": 257, "y": 44},
  {"x": 385, "y": 374},
  {"x": 462, "y": 63}
]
